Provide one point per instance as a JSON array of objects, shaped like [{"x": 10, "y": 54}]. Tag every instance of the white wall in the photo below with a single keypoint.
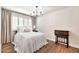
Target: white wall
[
  {"x": 63, "y": 19},
  {"x": 0, "y": 29}
]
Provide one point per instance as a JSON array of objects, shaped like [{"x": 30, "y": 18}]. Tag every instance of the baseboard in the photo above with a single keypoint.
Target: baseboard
[
  {"x": 51, "y": 40},
  {"x": 75, "y": 46}
]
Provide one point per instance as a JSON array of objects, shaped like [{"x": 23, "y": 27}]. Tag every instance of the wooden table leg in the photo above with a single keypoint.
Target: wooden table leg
[
  {"x": 56, "y": 39},
  {"x": 67, "y": 42}
]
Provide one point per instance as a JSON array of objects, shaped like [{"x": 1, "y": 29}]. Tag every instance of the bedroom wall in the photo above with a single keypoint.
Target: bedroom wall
[
  {"x": 62, "y": 19},
  {"x": 33, "y": 22},
  {"x": 0, "y": 29}
]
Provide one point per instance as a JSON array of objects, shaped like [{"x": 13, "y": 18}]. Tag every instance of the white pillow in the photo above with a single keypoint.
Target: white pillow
[
  {"x": 27, "y": 29},
  {"x": 20, "y": 29},
  {"x": 24, "y": 29}
]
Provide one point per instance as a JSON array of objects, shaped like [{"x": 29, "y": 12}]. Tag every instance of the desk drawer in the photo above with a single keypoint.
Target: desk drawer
[{"x": 59, "y": 32}]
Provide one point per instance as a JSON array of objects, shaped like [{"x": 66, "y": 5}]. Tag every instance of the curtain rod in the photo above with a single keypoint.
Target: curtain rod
[{"x": 16, "y": 12}]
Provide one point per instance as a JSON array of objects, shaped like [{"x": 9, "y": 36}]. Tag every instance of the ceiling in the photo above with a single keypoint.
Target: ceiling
[{"x": 28, "y": 9}]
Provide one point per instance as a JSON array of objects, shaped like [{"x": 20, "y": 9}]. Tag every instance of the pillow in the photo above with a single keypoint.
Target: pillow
[
  {"x": 20, "y": 29},
  {"x": 24, "y": 29},
  {"x": 27, "y": 29}
]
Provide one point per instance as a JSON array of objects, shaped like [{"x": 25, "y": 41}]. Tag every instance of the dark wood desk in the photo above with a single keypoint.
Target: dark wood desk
[{"x": 62, "y": 34}]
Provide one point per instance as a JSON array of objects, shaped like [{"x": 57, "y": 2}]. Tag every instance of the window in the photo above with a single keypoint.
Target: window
[
  {"x": 20, "y": 20},
  {"x": 14, "y": 22},
  {"x": 25, "y": 21}
]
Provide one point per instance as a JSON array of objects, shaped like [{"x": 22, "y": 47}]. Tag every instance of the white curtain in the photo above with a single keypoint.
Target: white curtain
[{"x": 6, "y": 26}]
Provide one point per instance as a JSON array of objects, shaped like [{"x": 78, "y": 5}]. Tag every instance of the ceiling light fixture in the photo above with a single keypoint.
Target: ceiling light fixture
[{"x": 37, "y": 11}]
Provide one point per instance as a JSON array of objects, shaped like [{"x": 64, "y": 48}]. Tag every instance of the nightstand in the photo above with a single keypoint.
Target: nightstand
[
  {"x": 15, "y": 31},
  {"x": 35, "y": 30}
]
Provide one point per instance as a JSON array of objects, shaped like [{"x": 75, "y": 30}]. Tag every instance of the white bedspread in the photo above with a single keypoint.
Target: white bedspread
[{"x": 28, "y": 42}]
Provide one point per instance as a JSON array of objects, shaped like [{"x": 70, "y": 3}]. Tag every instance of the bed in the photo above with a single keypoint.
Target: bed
[{"x": 29, "y": 42}]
